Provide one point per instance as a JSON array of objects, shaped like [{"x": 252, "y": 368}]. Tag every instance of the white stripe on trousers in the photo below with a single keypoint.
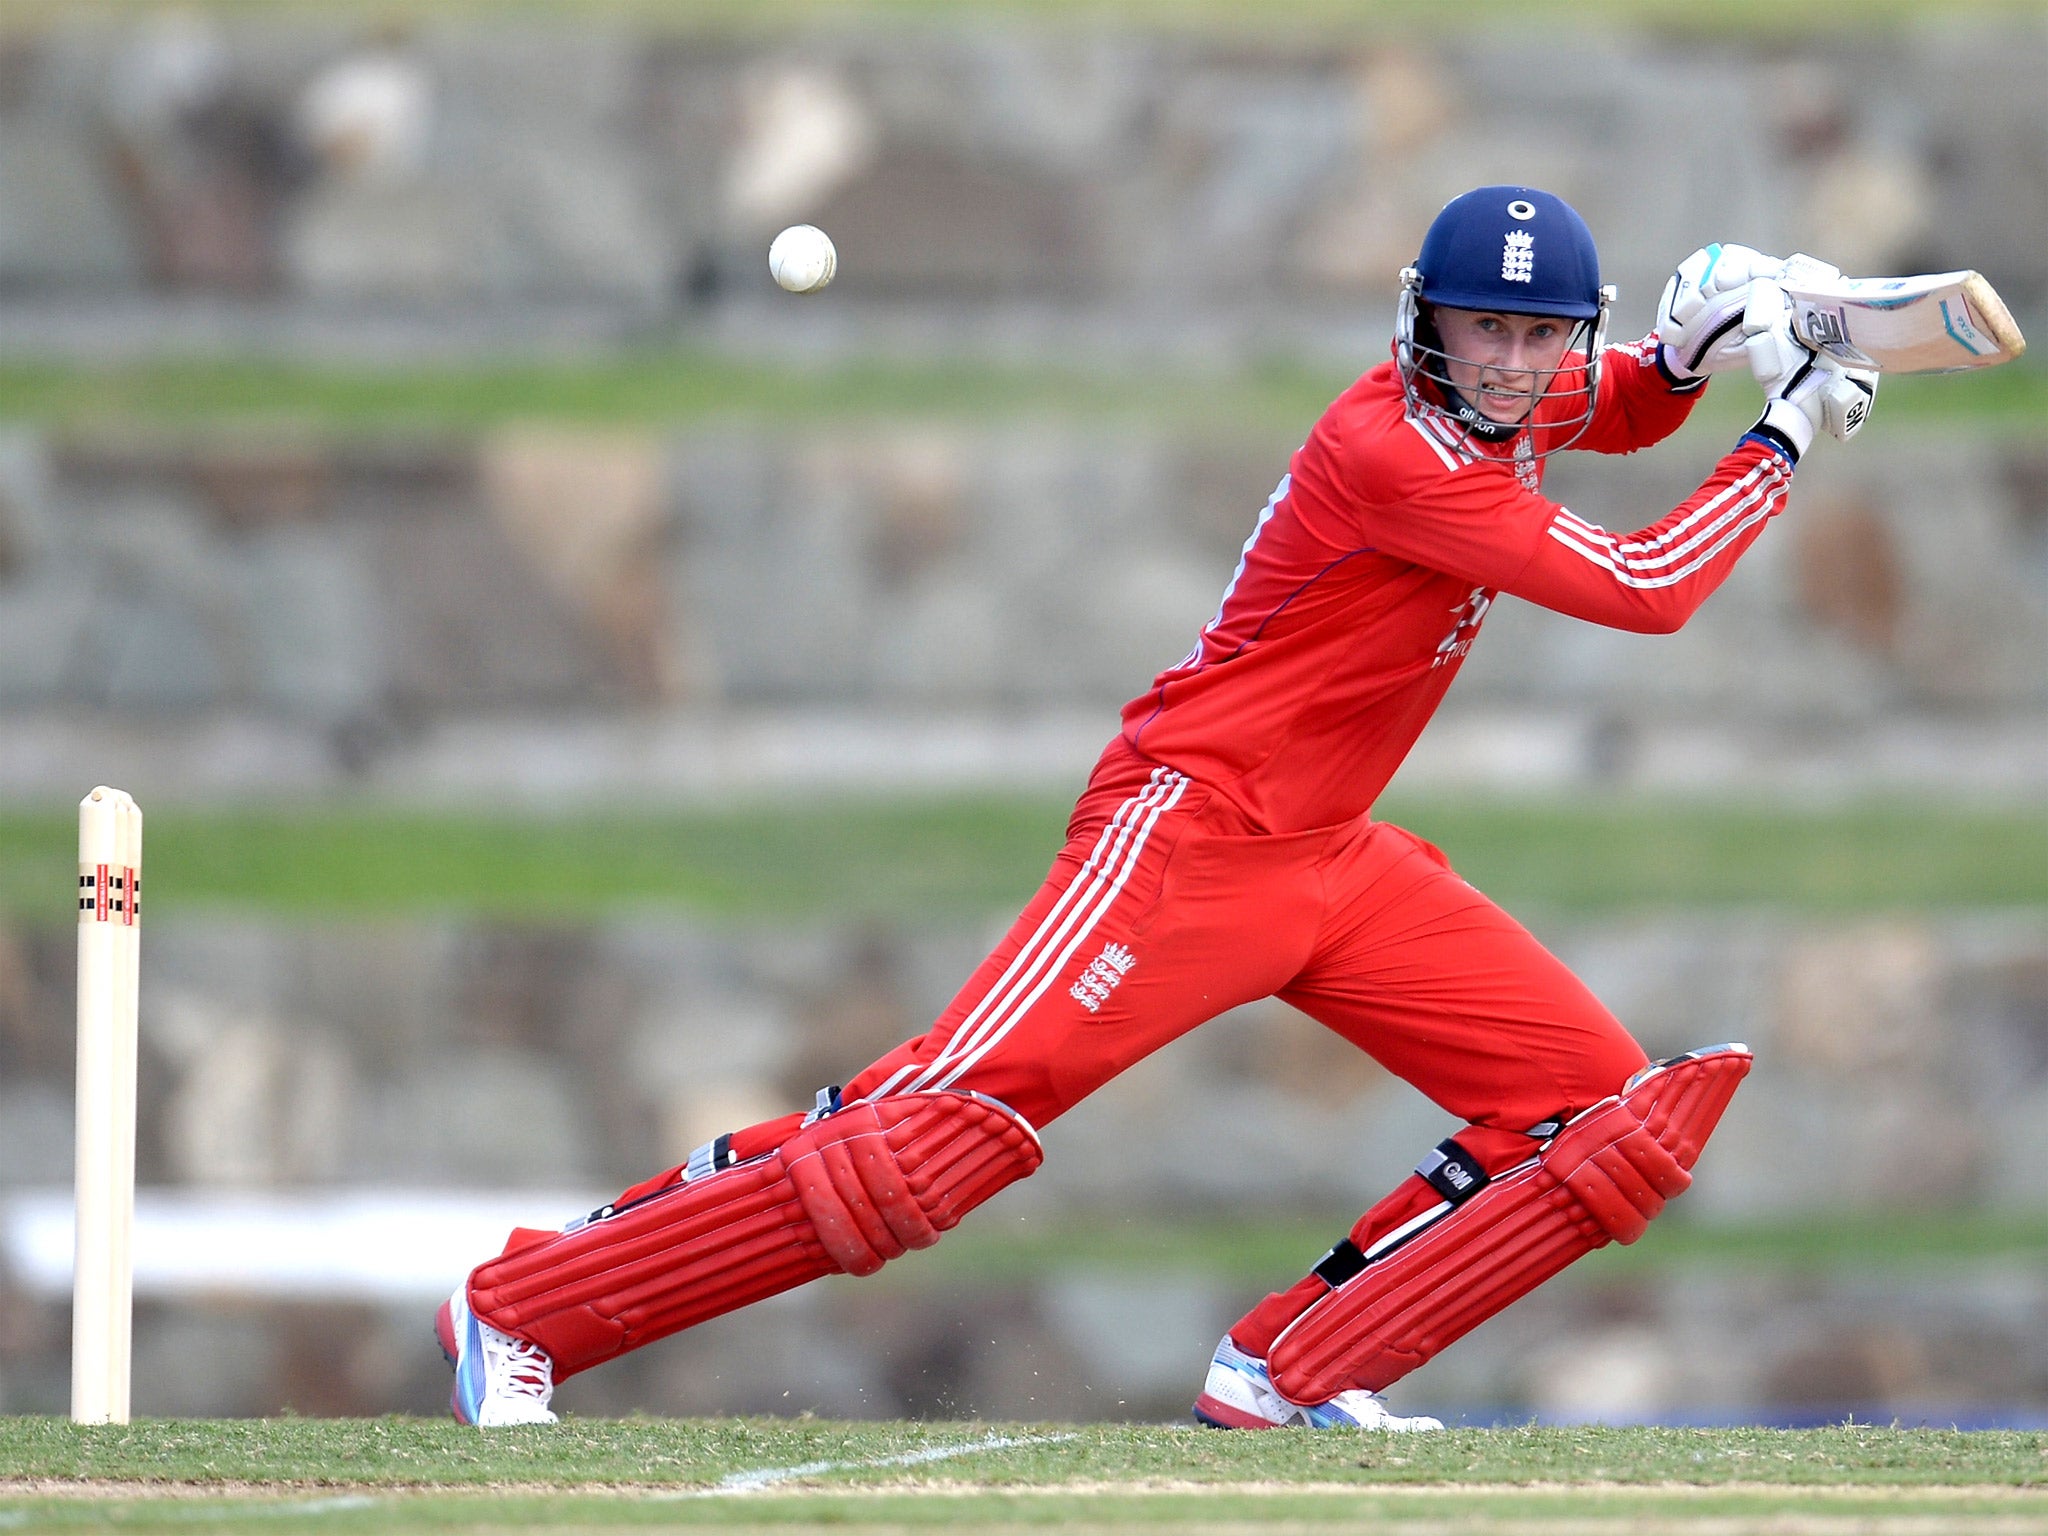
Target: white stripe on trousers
[{"x": 1071, "y": 920}]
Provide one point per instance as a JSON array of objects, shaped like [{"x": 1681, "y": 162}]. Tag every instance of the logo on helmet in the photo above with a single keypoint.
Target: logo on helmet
[{"x": 1518, "y": 257}]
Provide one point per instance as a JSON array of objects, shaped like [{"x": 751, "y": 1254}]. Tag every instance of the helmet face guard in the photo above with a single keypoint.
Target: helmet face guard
[{"x": 1513, "y": 251}]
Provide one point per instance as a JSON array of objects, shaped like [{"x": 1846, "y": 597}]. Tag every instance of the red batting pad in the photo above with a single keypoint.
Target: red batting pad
[
  {"x": 841, "y": 1196},
  {"x": 1601, "y": 1179}
]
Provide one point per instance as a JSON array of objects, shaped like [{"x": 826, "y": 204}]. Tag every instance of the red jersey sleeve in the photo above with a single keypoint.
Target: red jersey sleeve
[
  {"x": 1474, "y": 519},
  {"x": 1639, "y": 403},
  {"x": 1654, "y": 579}
]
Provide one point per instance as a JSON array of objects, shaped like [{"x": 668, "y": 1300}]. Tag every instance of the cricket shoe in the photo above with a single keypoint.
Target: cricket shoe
[
  {"x": 499, "y": 1380},
  {"x": 1239, "y": 1395}
]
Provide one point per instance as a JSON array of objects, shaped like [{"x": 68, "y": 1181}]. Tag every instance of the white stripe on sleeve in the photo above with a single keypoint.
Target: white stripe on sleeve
[{"x": 1651, "y": 563}]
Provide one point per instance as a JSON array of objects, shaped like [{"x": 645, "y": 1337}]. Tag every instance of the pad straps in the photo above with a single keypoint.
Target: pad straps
[
  {"x": 1603, "y": 1179},
  {"x": 843, "y": 1195}
]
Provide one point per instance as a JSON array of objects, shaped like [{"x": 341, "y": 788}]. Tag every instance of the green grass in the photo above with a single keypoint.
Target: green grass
[
  {"x": 406, "y": 1475},
  {"x": 646, "y": 388},
  {"x": 399, "y": 1452},
  {"x": 898, "y": 857},
  {"x": 969, "y": 855},
  {"x": 672, "y": 388},
  {"x": 1251, "y": 1252},
  {"x": 396, "y": 1452},
  {"x": 1268, "y": 1512},
  {"x": 1620, "y": 857}
]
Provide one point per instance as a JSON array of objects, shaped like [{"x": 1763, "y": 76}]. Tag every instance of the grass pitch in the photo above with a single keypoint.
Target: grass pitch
[{"x": 404, "y": 1475}]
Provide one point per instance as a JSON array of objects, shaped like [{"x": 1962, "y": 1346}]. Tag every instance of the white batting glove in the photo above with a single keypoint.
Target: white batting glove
[
  {"x": 1699, "y": 318},
  {"x": 1804, "y": 392}
]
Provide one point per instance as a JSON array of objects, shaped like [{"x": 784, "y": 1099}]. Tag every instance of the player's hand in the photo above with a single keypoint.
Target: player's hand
[
  {"x": 1699, "y": 318},
  {"x": 1804, "y": 392}
]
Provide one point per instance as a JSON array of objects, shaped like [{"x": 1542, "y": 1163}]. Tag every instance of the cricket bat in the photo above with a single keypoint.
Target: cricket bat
[{"x": 1936, "y": 323}]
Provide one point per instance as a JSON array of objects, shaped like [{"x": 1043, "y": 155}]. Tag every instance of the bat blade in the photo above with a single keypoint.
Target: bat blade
[{"x": 1940, "y": 322}]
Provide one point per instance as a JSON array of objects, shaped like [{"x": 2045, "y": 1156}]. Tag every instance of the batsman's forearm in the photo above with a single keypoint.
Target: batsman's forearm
[{"x": 1654, "y": 579}]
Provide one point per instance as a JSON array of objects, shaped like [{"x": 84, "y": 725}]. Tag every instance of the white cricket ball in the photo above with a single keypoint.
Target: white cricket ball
[{"x": 802, "y": 258}]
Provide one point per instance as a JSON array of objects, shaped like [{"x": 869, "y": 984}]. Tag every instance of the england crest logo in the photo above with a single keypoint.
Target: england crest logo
[{"x": 1518, "y": 257}]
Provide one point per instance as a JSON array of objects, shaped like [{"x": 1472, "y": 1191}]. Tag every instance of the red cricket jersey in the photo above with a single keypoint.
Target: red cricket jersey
[{"x": 1371, "y": 569}]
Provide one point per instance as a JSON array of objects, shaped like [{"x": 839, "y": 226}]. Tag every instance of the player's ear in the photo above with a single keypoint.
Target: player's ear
[{"x": 1429, "y": 341}]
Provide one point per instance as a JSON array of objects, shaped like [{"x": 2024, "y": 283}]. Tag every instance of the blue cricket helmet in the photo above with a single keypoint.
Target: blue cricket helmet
[
  {"x": 1504, "y": 250},
  {"x": 1516, "y": 250}
]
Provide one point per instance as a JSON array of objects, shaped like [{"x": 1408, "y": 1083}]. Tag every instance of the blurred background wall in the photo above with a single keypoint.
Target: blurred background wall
[{"x": 398, "y": 415}]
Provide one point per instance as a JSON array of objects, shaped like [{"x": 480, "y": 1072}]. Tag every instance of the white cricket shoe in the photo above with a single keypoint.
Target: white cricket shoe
[
  {"x": 1240, "y": 1395},
  {"x": 499, "y": 1380}
]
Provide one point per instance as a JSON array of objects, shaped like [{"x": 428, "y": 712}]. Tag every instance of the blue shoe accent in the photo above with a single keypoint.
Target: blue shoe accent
[
  {"x": 1239, "y": 1394},
  {"x": 469, "y": 1368},
  {"x": 499, "y": 1380},
  {"x": 455, "y": 1326}
]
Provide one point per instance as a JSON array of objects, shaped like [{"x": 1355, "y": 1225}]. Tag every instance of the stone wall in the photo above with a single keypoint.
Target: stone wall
[
  {"x": 1908, "y": 1054},
  {"x": 214, "y": 613},
  {"x": 207, "y": 613},
  {"x": 362, "y": 598},
  {"x": 1233, "y": 187},
  {"x": 1904, "y": 1074}
]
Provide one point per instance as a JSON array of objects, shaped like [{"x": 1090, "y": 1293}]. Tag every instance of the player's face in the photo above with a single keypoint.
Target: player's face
[{"x": 1501, "y": 363}]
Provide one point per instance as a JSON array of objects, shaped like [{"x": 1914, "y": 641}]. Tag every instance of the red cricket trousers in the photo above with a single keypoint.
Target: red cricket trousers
[{"x": 1165, "y": 909}]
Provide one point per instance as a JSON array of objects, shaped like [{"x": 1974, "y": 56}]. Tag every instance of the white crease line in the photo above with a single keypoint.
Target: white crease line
[{"x": 767, "y": 1477}]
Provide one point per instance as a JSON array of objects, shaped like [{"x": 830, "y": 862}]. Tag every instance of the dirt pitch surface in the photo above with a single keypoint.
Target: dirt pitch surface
[{"x": 785, "y": 1476}]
